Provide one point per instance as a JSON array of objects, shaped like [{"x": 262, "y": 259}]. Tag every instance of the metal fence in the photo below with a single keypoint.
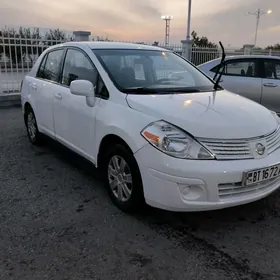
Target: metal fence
[{"x": 18, "y": 55}]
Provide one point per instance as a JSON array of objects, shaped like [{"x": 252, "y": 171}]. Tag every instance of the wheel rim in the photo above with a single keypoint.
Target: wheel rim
[
  {"x": 31, "y": 126},
  {"x": 120, "y": 179}
]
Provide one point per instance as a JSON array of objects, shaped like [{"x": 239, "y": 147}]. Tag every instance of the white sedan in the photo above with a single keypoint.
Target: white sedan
[
  {"x": 168, "y": 139},
  {"x": 254, "y": 76}
]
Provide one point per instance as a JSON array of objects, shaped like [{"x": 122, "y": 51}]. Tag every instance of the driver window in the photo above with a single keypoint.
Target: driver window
[
  {"x": 246, "y": 68},
  {"x": 241, "y": 68},
  {"x": 78, "y": 67}
]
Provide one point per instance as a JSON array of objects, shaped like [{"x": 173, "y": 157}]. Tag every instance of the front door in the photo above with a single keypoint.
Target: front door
[
  {"x": 271, "y": 85},
  {"x": 74, "y": 120},
  {"x": 242, "y": 76}
]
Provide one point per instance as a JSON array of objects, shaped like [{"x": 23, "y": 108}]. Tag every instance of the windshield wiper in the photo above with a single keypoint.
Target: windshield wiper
[
  {"x": 140, "y": 90},
  {"x": 221, "y": 65}
]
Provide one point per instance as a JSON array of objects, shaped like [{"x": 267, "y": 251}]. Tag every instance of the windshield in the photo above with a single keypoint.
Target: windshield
[{"x": 151, "y": 71}]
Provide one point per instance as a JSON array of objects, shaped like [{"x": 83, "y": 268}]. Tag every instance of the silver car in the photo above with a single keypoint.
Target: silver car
[{"x": 256, "y": 77}]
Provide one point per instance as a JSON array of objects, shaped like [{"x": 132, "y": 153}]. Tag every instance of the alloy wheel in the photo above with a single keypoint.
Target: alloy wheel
[
  {"x": 31, "y": 126},
  {"x": 120, "y": 178}
]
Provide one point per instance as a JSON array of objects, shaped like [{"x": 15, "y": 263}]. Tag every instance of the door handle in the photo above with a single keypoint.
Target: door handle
[
  {"x": 58, "y": 96},
  {"x": 34, "y": 86},
  {"x": 270, "y": 85}
]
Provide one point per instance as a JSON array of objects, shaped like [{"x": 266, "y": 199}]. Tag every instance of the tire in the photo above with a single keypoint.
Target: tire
[
  {"x": 33, "y": 133},
  {"x": 123, "y": 179}
]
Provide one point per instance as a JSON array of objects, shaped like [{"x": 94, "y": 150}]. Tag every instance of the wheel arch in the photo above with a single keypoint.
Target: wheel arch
[
  {"x": 106, "y": 142},
  {"x": 27, "y": 106}
]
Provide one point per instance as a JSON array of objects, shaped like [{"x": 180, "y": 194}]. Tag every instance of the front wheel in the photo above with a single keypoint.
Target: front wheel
[{"x": 123, "y": 180}]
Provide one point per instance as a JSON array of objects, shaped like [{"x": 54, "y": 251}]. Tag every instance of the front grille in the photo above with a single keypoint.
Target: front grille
[
  {"x": 240, "y": 149},
  {"x": 237, "y": 190},
  {"x": 273, "y": 141}
]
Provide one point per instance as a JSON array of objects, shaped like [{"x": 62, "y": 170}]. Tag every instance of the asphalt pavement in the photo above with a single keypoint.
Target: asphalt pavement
[{"x": 57, "y": 222}]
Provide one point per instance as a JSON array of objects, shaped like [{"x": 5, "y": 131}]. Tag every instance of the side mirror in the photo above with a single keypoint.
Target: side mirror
[{"x": 84, "y": 88}]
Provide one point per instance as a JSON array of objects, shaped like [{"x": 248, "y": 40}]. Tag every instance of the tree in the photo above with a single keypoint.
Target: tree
[
  {"x": 54, "y": 36},
  {"x": 199, "y": 57},
  {"x": 101, "y": 39},
  {"x": 202, "y": 41},
  {"x": 155, "y": 43},
  {"x": 275, "y": 47}
]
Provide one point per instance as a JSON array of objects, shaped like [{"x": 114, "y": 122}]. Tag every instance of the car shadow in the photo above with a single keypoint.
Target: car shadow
[{"x": 252, "y": 213}]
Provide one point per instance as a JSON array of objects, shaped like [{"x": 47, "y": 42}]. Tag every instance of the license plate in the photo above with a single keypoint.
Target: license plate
[{"x": 261, "y": 175}]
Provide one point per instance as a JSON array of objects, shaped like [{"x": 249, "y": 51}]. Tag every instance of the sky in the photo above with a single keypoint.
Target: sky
[{"x": 139, "y": 20}]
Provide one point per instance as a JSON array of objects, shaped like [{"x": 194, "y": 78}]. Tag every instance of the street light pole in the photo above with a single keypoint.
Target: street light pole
[
  {"x": 187, "y": 44},
  {"x": 189, "y": 21},
  {"x": 257, "y": 26},
  {"x": 258, "y": 14}
]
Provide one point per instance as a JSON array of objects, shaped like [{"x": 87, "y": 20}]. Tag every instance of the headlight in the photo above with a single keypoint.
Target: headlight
[
  {"x": 275, "y": 116},
  {"x": 174, "y": 142}
]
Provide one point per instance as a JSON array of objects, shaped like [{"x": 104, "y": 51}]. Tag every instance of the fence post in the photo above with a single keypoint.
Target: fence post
[
  {"x": 187, "y": 49},
  {"x": 81, "y": 35},
  {"x": 248, "y": 49}
]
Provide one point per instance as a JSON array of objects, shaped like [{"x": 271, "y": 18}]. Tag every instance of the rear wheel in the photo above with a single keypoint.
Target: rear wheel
[
  {"x": 122, "y": 178},
  {"x": 33, "y": 133}
]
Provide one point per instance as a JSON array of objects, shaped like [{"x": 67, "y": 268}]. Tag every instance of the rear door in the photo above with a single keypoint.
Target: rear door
[
  {"x": 42, "y": 89},
  {"x": 243, "y": 76},
  {"x": 271, "y": 84}
]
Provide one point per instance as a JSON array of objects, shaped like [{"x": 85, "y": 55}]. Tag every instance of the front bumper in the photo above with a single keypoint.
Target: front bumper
[{"x": 199, "y": 185}]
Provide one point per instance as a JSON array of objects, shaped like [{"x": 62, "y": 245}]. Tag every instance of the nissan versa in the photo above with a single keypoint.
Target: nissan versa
[{"x": 159, "y": 130}]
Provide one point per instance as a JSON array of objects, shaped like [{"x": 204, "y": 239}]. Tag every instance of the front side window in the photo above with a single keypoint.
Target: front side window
[
  {"x": 272, "y": 69},
  {"x": 78, "y": 67},
  {"x": 154, "y": 69},
  {"x": 50, "y": 66},
  {"x": 246, "y": 68}
]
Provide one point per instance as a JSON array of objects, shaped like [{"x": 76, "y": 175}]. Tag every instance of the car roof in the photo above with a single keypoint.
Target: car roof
[
  {"x": 251, "y": 56},
  {"x": 243, "y": 57},
  {"x": 110, "y": 45},
  {"x": 211, "y": 63}
]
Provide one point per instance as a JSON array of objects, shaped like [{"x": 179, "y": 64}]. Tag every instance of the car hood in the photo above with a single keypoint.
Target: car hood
[{"x": 220, "y": 114}]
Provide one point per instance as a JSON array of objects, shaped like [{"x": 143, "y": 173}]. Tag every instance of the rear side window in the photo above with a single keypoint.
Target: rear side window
[
  {"x": 50, "y": 66},
  {"x": 40, "y": 73}
]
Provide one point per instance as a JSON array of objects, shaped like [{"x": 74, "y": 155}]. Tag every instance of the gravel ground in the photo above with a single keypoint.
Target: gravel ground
[{"x": 58, "y": 223}]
